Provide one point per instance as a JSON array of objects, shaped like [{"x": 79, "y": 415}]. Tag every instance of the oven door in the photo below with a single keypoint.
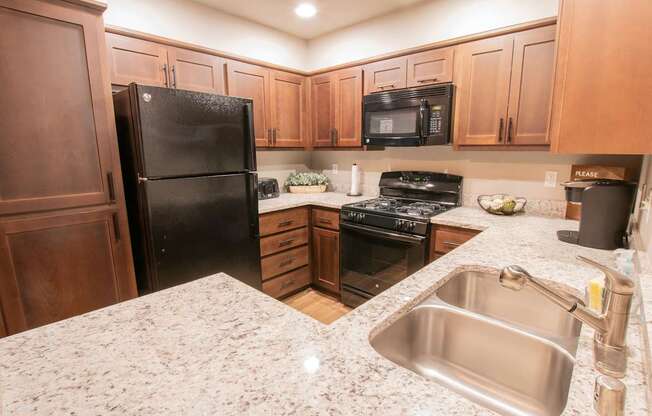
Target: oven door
[
  {"x": 374, "y": 259},
  {"x": 395, "y": 123}
]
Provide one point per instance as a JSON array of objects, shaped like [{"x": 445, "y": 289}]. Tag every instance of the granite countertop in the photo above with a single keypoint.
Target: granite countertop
[
  {"x": 326, "y": 199},
  {"x": 216, "y": 346}
]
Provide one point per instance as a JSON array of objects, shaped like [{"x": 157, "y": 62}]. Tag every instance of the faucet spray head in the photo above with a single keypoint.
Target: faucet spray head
[{"x": 514, "y": 277}]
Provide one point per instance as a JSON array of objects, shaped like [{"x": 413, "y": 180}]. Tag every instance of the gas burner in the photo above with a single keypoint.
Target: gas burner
[{"x": 421, "y": 209}]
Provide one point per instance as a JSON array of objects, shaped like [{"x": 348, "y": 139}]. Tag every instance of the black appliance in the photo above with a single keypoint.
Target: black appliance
[
  {"x": 189, "y": 164},
  {"x": 384, "y": 240},
  {"x": 606, "y": 207},
  {"x": 268, "y": 188},
  {"x": 409, "y": 117}
]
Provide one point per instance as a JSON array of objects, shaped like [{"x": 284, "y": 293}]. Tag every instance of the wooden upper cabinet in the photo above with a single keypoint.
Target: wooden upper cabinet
[
  {"x": 196, "y": 71},
  {"x": 386, "y": 75},
  {"x": 603, "y": 88},
  {"x": 137, "y": 60},
  {"x": 61, "y": 265},
  {"x": 322, "y": 106},
  {"x": 483, "y": 77},
  {"x": 326, "y": 259},
  {"x": 252, "y": 81},
  {"x": 531, "y": 87},
  {"x": 288, "y": 109},
  {"x": 430, "y": 67},
  {"x": 348, "y": 107},
  {"x": 56, "y": 121}
]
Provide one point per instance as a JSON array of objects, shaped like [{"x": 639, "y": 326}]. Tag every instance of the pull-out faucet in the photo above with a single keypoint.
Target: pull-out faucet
[{"x": 610, "y": 327}]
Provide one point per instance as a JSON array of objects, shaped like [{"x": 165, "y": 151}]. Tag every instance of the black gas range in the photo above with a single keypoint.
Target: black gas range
[{"x": 386, "y": 239}]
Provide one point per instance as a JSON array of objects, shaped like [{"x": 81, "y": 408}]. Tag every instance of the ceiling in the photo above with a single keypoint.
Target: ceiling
[{"x": 331, "y": 14}]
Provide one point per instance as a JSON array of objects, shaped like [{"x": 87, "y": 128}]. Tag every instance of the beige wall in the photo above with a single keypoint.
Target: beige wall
[
  {"x": 644, "y": 229},
  {"x": 424, "y": 23},
  {"x": 485, "y": 172},
  {"x": 191, "y": 22},
  {"x": 279, "y": 164}
]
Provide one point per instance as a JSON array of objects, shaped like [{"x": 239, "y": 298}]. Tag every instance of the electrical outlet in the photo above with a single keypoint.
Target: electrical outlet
[
  {"x": 335, "y": 168},
  {"x": 550, "y": 180}
]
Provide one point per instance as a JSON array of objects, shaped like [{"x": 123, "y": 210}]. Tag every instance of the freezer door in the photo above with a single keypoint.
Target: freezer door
[
  {"x": 186, "y": 133},
  {"x": 201, "y": 226}
]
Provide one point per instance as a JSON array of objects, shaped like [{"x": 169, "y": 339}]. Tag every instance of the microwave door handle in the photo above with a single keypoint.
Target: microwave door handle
[{"x": 423, "y": 119}]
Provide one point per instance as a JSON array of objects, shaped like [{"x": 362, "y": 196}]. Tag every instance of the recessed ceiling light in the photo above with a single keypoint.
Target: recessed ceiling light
[{"x": 305, "y": 10}]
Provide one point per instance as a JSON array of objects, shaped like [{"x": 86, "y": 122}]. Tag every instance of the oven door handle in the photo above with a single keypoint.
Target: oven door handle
[{"x": 405, "y": 238}]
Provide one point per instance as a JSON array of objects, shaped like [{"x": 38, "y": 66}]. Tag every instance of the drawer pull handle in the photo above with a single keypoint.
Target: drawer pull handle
[
  {"x": 286, "y": 242},
  {"x": 286, "y": 223},
  {"x": 427, "y": 80},
  {"x": 287, "y": 262},
  {"x": 450, "y": 243},
  {"x": 287, "y": 284},
  {"x": 325, "y": 221}
]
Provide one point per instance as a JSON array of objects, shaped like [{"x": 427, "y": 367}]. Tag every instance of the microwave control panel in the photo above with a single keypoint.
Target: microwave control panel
[{"x": 436, "y": 119}]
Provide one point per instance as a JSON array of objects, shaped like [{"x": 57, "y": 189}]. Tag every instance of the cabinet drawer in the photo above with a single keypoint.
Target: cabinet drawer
[
  {"x": 449, "y": 238},
  {"x": 289, "y": 282},
  {"x": 282, "y": 221},
  {"x": 279, "y": 242},
  {"x": 325, "y": 218},
  {"x": 284, "y": 262}
]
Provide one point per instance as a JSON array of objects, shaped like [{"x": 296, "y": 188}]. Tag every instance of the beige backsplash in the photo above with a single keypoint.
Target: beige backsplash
[{"x": 517, "y": 173}]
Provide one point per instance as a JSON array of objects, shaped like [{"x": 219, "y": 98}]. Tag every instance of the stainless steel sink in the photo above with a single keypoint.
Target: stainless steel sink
[{"x": 511, "y": 353}]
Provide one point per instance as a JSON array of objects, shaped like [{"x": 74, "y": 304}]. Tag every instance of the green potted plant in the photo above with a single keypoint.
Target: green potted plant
[{"x": 306, "y": 182}]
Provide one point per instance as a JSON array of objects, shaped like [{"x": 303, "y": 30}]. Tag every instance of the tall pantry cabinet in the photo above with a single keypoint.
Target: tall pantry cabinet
[{"x": 64, "y": 240}]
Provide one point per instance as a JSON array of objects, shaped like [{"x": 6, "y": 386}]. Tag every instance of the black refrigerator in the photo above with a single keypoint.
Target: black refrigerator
[{"x": 189, "y": 163}]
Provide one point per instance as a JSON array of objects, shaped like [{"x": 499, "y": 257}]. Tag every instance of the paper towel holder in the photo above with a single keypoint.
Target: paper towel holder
[{"x": 353, "y": 178}]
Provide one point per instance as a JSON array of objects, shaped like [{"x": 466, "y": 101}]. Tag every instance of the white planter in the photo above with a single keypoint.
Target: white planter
[{"x": 313, "y": 189}]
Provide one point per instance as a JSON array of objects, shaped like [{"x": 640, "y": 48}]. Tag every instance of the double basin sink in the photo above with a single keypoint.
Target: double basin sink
[{"x": 512, "y": 352}]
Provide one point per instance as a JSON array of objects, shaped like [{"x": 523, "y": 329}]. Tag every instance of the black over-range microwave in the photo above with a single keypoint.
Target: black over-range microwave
[{"x": 409, "y": 117}]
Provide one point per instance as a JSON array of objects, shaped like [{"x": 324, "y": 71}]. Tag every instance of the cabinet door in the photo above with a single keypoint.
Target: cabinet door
[
  {"x": 326, "y": 259},
  {"x": 603, "y": 83},
  {"x": 322, "y": 96},
  {"x": 531, "y": 86},
  {"x": 288, "y": 109},
  {"x": 386, "y": 75},
  {"x": 430, "y": 67},
  {"x": 61, "y": 265},
  {"x": 251, "y": 81},
  {"x": 483, "y": 90},
  {"x": 136, "y": 60},
  {"x": 56, "y": 123},
  {"x": 348, "y": 107},
  {"x": 195, "y": 71}
]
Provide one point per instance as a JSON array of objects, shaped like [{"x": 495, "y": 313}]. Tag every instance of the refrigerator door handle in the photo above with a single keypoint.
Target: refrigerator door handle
[
  {"x": 251, "y": 139},
  {"x": 252, "y": 179}
]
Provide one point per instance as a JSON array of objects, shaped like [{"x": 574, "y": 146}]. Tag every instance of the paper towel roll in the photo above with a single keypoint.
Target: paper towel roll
[{"x": 355, "y": 180}]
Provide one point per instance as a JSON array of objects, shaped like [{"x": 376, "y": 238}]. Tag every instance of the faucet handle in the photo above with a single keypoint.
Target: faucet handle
[{"x": 616, "y": 281}]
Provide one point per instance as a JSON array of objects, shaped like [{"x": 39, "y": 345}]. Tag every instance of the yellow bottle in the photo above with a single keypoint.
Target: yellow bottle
[{"x": 595, "y": 289}]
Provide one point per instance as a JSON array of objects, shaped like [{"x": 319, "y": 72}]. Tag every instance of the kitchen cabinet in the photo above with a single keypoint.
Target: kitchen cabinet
[
  {"x": 64, "y": 239},
  {"x": 150, "y": 63},
  {"x": 326, "y": 250},
  {"x": 279, "y": 103},
  {"x": 336, "y": 101},
  {"x": 61, "y": 265},
  {"x": 601, "y": 98},
  {"x": 195, "y": 71},
  {"x": 444, "y": 239},
  {"x": 430, "y": 67},
  {"x": 285, "y": 251},
  {"x": 137, "y": 60},
  {"x": 390, "y": 74},
  {"x": 504, "y": 89}
]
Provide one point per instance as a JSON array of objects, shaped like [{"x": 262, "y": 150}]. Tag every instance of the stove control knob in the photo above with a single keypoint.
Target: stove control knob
[{"x": 412, "y": 226}]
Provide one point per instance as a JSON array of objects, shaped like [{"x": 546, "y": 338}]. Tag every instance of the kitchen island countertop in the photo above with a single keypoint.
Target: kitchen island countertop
[{"x": 216, "y": 346}]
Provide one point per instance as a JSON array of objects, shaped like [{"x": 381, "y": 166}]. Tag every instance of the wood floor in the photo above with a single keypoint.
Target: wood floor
[{"x": 317, "y": 305}]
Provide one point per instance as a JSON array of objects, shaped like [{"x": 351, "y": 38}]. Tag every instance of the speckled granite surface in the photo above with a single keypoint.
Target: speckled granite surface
[
  {"x": 326, "y": 199},
  {"x": 215, "y": 346}
]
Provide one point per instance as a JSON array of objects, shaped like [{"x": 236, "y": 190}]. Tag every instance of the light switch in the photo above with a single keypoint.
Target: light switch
[
  {"x": 335, "y": 168},
  {"x": 550, "y": 180}
]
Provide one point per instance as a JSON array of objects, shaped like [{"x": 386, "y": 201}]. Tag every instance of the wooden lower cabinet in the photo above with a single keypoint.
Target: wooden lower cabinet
[
  {"x": 326, "y": 259},
  {"x": 60, "y": 265},
  {"x": 444, "y": 239},
  {"x": 287, "y": 283}
]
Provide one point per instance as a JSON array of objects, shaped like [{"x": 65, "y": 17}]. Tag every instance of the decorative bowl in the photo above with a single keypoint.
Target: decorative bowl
[
  {"x": 501, "y": 204},
  {"x": 307, "y": 189}
]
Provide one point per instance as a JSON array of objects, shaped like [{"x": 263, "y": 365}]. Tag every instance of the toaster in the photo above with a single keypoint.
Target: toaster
[{"x": 267, "y": 188}]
